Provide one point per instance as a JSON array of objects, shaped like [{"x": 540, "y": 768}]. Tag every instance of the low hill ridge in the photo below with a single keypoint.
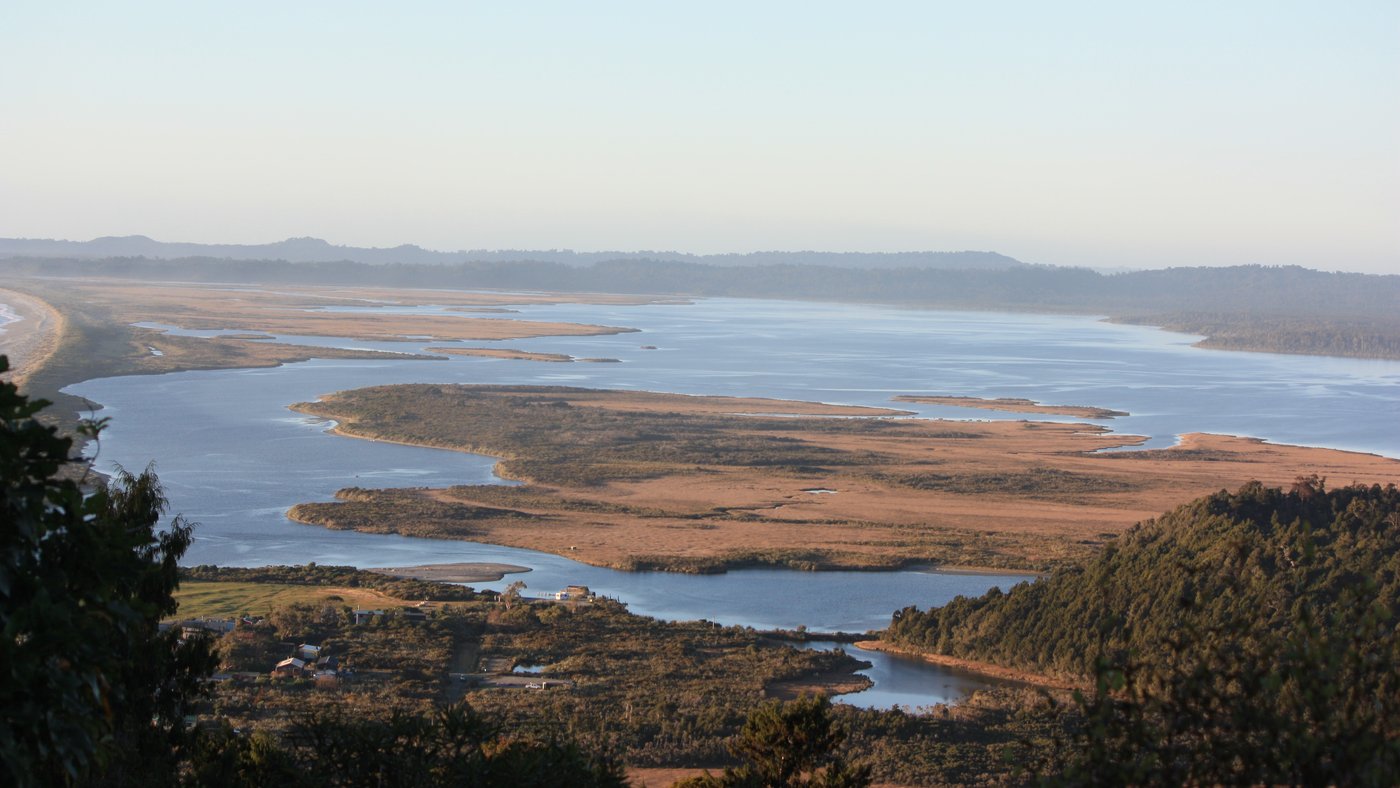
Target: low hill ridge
[
  {"x": 307, "y": 249},
  {"x": 1259, "y": 554}
]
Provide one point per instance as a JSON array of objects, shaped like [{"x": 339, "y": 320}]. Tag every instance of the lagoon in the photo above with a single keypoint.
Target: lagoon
[{"x": 233, "y": 458}]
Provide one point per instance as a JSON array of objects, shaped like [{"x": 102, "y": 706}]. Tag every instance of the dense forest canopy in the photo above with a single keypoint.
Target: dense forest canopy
[{"x": 1260, "y": 554}]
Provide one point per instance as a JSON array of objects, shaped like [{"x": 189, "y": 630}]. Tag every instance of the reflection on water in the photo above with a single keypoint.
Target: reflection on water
[{"x": 905, "y": 681}]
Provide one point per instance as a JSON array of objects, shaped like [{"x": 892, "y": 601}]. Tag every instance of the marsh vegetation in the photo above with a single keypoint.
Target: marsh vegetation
[{"x": 636, "y": 480}]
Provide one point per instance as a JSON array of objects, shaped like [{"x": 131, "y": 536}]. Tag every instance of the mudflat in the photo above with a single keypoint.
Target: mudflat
[
  {"x": 473, "y": 572},
  {"x": 635, "y": 480}
]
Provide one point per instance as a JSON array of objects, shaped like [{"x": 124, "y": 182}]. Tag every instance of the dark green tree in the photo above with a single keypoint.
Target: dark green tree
[
  {"x": 789, "y": 745},
  {"x": 1316, "y": 703},
  {"x": 90, "y": 691},
  {"x": 451, "y": 748}
]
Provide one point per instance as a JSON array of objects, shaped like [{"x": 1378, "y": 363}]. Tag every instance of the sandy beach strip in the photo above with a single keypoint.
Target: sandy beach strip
[
  {"x": 475, "y": 572},
  {"x": 29, "y": 331}
]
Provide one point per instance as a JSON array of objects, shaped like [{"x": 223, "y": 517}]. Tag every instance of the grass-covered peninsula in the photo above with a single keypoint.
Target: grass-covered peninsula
[{"x": 638, "y": 480}]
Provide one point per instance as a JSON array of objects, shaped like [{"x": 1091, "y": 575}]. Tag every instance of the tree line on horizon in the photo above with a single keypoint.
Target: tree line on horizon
[{"x": 1271, "y": 308}]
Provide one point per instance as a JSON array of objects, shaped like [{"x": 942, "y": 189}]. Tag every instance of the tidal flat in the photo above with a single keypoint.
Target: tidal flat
[{"x": 636, "y": 480}]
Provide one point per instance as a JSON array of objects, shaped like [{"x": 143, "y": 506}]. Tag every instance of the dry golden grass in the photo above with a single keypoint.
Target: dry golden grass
[
  {"x": 1005, "y": 494},
  {"x": 295, "y": 311},
  {"x": 200, "y": 599}
]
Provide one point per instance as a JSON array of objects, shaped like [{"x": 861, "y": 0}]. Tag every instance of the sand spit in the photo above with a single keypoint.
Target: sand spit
[
  {"x": 30, "y": 339},
  {"x": 478, "y": 572},
  {"x": 1013, "y": 405}
]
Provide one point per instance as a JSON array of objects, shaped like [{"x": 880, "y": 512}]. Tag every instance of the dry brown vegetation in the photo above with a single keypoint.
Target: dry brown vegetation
[
  {"x": 636, "y": 480},
  {"x": 88, "y": 332},
  {"x": 297, "y": 311}
]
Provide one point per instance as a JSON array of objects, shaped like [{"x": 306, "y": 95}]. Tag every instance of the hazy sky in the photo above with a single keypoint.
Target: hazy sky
[{"x": 1109, "y": 133}]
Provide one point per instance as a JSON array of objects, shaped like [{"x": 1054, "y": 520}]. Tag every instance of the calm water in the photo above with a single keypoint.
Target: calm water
[
  {"x": 233, "y": 458},
  {"x": 905, "y": 681}
]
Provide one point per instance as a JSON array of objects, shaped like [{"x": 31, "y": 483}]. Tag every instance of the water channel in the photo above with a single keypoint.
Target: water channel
[{"x": 233, "y": 458}]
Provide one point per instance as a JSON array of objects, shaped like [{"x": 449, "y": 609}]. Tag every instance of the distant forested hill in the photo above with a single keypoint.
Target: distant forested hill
[
  {"x": 1259, "y": 555},
  {"x": 1282, "y": 309},
  {"x": 315, "y": 250}
]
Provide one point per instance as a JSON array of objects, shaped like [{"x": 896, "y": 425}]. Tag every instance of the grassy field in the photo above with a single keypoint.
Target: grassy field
[{"x": 199, "y": 599}]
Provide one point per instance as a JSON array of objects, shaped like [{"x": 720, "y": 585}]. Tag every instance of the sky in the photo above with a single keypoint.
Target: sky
[{"x": 1103, "y": 134}]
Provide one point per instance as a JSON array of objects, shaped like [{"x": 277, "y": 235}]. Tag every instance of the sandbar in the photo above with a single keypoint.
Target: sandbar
[
  {"x": 477, "y": 572},
  {"x": 1013, "y": 405},
  {"x": 29, "y": 340},
  {"x": 513, "y": 354}
]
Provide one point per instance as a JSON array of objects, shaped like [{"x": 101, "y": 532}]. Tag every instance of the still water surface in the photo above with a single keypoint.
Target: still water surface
[{"x": 233, "y": 458}]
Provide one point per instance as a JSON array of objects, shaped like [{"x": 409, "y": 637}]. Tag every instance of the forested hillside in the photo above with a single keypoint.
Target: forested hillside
[{"x": 1261, "y": 556}]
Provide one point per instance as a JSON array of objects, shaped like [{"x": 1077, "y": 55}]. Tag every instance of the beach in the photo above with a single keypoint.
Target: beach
[{"x": 29, "y": 330}]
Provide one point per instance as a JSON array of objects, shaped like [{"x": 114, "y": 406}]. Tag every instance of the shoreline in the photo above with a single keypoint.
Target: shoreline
[
  {"x": 1012, "y": 405},
  {"x": 32, "y": 337},
  {"x": 980, "y": 668},
  {"x": 1026, "y": 496},
  {"x": 461, "y": 572}
]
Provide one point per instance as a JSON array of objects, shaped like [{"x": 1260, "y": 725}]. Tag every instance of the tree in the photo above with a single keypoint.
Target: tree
[
  {"x": 90, "y": 690},
  {"x": 788, "y": 745},
  {"x": 453, "y": 747},
  {"x": 1314, "y": 703},
  {"x": 511, "y": 595}
]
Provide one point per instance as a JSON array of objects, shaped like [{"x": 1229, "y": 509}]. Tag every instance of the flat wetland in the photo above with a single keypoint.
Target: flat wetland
[{"x": 636, "y": 480}]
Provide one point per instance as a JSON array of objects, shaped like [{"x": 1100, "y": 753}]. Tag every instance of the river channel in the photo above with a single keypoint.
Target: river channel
[{"x": 233, "y": 458}]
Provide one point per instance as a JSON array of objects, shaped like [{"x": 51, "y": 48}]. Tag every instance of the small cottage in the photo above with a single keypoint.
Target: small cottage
[{"x": 291, "y": 666}]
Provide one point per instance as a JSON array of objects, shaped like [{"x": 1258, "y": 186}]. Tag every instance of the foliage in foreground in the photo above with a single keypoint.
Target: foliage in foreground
[
  {"x": 93, "y": 693},
  {"x": 90, "y": 691},
  {"x": 1316, "y": 703},
  {"x": 454, "y": 746},
  {"x": 789, "y": 745}
]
